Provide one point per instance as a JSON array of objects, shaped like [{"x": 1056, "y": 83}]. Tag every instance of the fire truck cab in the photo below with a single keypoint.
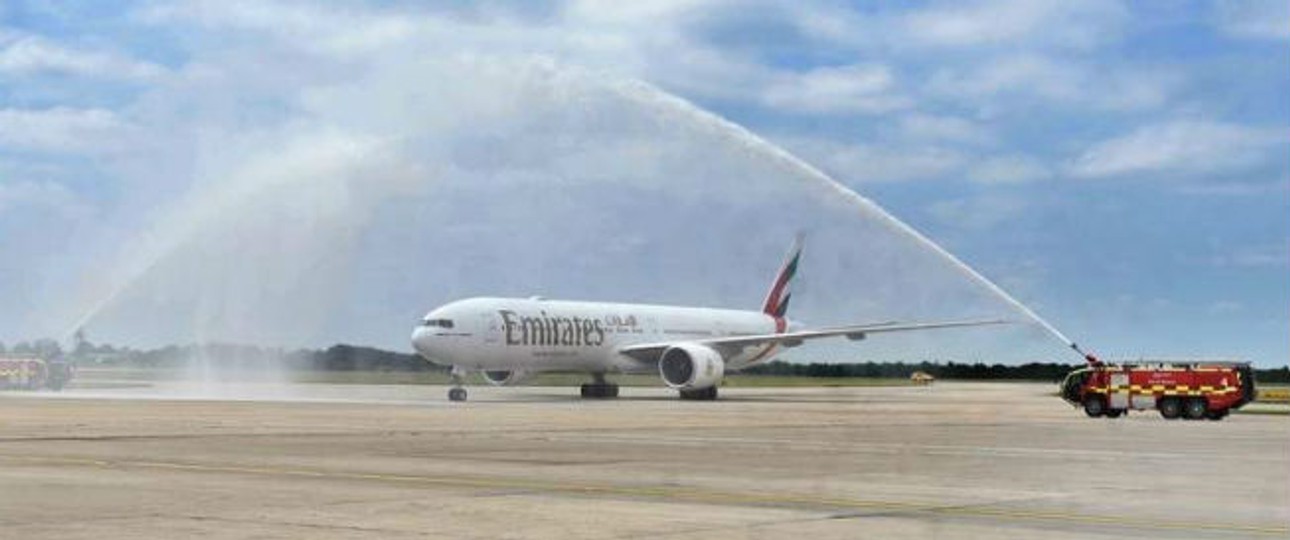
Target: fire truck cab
[{"x": 1178, "y": 390}]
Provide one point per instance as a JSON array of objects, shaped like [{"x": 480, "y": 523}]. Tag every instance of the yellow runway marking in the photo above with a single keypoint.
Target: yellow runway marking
[{"x": 677, "y": 494}]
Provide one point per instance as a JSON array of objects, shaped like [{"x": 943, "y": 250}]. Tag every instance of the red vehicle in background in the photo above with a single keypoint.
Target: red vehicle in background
[
  {"x": 33, "y": 373},
  {"x": 1191, "y": 390}
]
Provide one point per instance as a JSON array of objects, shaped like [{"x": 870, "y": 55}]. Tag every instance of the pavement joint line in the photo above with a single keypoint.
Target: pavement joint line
[
  {"x": 289, "y": 523},
  {"x": 679, "y": 494}
]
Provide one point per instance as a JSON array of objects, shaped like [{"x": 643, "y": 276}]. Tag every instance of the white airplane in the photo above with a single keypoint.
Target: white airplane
[{"x": 691, "y": 348}]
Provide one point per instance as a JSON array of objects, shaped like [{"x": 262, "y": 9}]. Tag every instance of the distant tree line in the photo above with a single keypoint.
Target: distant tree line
[
  {"x": 1279, "y": 375},
  {"x": 1034, "y": 371},
  {"x": 357, "y": 358},
  {"x": 353, "y": 358},
  {"x": 229, "y": 357},
  {"x": 950, "y": 370},
  {"x": 40, "y": 347},
  {"x": 234, "y": 357}
]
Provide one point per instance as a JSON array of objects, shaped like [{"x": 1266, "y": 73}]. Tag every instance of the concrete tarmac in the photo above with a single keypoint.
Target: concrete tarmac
[{"x": 989, "y": 460}]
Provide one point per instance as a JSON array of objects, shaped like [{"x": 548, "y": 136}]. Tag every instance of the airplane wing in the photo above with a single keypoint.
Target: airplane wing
[{"x": 650, "y": 352}]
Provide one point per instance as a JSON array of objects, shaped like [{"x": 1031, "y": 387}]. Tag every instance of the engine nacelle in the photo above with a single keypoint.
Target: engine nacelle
[
  {"x": 506, "y": 377},
  {"x": 690, "y": 366}
]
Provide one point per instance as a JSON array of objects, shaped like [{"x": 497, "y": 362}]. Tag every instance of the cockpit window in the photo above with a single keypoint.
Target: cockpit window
[{"x": 441, "y": 323}]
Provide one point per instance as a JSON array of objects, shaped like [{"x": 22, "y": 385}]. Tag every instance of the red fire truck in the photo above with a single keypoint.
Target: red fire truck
[
  {"x": 33, "y": 373},
  {"x": 1191, "y": 390}
]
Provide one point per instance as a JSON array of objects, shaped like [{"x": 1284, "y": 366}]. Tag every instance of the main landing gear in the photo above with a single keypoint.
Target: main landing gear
[
  {"x": 457, "y": 392},
  {"x": 702, "y": 394},
  {"x": 599, "y": 388}
]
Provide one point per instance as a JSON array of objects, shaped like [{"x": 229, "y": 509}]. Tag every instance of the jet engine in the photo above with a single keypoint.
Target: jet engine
[
  {"x": 690, "y": 366},
  {"x": 506, "y": 377}
]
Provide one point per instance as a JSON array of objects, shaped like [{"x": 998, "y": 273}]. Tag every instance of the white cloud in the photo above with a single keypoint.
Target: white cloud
[
  {"x": 61, "y": 129},
  {"x": 1182, "y": 147},
  {"x": 652, "y": 41},
  {"x": 1226, "y": 307},
  {"x": 1253, "y": 188},
  {"x": 40, "y": 196},
  {"x": 335, "y": 31},
  {"x": 1033, "y": 73},
  {"x": 33, "y": 54},
  {"x": 1022, "y": 276},
  {"x": 877, "y": 163},
  {"x": 1011, "y": 169},
  {"x": 860, "y": 88},
  {"x": 1128, "y": 88},
  {"x": 633, "y": 13},
  {"x": 978, "y": 213},
  {"x": 30, "y": 168},
  {"x": 1000, "y": 80},
  {"x": 1256, "y": 19},
  {"x": 1078, "y": 25},
  {"x": 646, "y": 40},
  {"x": 927, "y": 127},
  {"x": 836, "y": 25},
  {"x": 1257, "y": 256}
]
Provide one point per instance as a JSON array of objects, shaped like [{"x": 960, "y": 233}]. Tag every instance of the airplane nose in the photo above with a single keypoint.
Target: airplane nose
[{"x": 421, "y": 340}]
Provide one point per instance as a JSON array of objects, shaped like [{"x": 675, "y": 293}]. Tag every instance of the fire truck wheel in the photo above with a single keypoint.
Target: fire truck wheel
[
  {"x": 1094, "y": 406},
  {"x": 1217, "y": 415},
  {"x": 1170, "y": 408},
  {"x": 1196, "y": 408},
  {"x": 1114, "y": 413}
]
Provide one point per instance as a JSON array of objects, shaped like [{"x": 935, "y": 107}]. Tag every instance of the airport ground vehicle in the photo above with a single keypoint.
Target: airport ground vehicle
[
  {"x": 1191, "y": 390},
  {"x": 33, "y": 373}
]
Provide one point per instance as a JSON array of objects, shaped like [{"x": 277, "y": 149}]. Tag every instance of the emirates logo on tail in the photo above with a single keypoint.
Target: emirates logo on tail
[{"x": 776, "y": 304}]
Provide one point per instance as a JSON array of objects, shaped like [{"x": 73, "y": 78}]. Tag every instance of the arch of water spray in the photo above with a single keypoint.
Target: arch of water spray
[{"x": 585, "y": 176}]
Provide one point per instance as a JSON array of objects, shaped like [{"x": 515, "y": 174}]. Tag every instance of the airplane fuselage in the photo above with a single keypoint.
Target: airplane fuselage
[{"x": 554, "y": 335}]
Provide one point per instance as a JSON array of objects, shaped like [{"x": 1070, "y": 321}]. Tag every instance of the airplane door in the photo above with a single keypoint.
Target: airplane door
[{"x": 489, "y": 328}]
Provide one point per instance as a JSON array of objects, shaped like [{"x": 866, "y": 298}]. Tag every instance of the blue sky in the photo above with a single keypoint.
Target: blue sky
[{"x": 1124, "y": 168}]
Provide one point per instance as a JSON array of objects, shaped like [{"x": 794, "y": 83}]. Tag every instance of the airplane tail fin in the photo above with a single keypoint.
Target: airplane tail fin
[{"x": 776, "y": 303}]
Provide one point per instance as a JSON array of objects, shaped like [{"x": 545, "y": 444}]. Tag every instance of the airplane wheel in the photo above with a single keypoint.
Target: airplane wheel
[
  {"x": 1114, "y": 413},
  {"x": 704, "y": 394},
  {"x": 457, "y": 394},
  {"x": 599, "y": 391}
]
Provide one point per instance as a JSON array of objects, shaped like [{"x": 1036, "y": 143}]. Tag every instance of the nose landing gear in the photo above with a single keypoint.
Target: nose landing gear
[{"x": 458, "y": 391}]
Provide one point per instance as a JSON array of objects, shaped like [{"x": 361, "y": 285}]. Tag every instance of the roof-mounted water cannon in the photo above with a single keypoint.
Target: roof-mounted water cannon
[{"x": 1088, "y": 357}]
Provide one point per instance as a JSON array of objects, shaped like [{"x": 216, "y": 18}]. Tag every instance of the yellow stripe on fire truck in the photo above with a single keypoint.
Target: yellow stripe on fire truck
[{"x": 1168, "y": 390}]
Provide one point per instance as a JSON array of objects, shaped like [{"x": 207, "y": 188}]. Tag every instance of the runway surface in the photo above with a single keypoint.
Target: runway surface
[{"x": 359, "y": 461}]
